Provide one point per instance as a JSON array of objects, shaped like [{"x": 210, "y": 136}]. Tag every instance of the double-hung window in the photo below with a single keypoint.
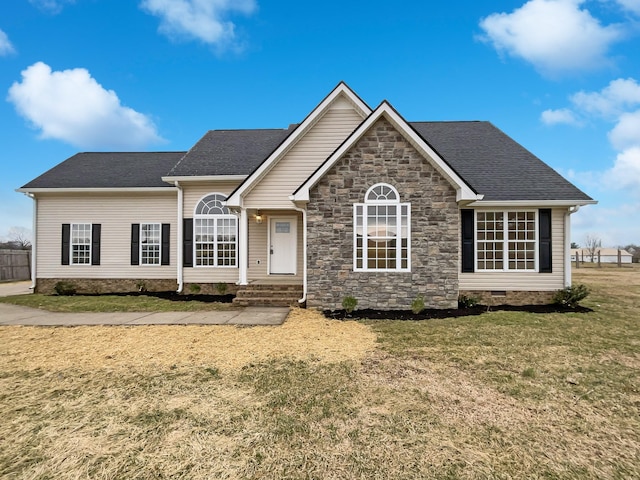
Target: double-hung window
[
  {"x": 215, "y": 233},
  {"x": 150, "y": 243},
  {"x": 382, "y": 233},
  {"x": 80, "y": 244},
  {"x": 506, "y": 240}
]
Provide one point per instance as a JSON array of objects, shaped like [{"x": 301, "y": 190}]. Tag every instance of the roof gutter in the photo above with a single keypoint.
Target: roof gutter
[{"x": 95, "y": 190}]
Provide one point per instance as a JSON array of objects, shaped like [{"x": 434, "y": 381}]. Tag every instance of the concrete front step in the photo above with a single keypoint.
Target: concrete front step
[{"x": 268, "y": 295}]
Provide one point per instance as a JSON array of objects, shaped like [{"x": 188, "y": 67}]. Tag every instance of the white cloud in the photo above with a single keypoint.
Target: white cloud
[
  {"x": 50, "y": 6},
  {"x": 615, "y": 98},
  {"x": 5, "y": 45},
  {"x": 560, "y": 116},
  {"x": 554, "y": 35},
  {"x": 203, "y": 20},
  {"x": 626, "y": 170},
  {"x": 630, "y": 5},
  {"x": 626, "y": 133},
  {"x": 71, "y": 106}
]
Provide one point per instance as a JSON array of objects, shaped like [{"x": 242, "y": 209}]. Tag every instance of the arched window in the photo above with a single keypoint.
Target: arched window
[
  {"x": 382, "y": 231},
  {"x": 215, "y": 233}
]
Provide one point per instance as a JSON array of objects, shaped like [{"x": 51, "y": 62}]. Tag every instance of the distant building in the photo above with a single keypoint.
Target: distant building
[{"x": 607, "y": 255}]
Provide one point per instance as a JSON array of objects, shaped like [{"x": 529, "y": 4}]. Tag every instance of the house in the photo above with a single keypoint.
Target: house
[
  {"x": 607, "y": 255},
  {"x": 352, "y": 201}
]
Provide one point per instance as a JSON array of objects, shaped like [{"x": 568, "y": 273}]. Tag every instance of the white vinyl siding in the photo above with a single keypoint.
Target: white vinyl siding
[
  {"x": 303, "y": 158},
  {"x": 115, "y": 212},
  {"x": 526, "y": 281}
]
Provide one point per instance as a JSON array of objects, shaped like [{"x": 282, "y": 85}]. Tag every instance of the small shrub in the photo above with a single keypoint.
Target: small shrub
[
  {"x": 194, "y": 288},
  {"x": 467, "y": 302},
  {"x": 418, "y": 305},
  {"x": 141, "y": 285},
  {"x": 221, "y": 288},
  {"x": 65, "y": 288},
  {"x": 571, "y": 296},
  {"x": 349, "y": 303}
]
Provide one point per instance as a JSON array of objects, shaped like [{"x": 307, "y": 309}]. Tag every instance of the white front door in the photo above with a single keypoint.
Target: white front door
[{"x": 282, "y": 245}]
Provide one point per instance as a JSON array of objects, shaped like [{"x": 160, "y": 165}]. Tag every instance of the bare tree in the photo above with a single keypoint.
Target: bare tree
[
  {"x": 593, "y": 244},
  {"x": 20, "y": 237}
]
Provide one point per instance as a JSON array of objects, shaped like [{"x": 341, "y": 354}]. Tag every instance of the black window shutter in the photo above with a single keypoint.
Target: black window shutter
[
  {"x": 164, "y": 256},
  {"x": 468, "y": 246},
  {"x": 135, "y": 244},
  {"x": 544, "y": 227},
  {"x": 95, "y": 243},
  {"x": 66, "y": 234},
  {"x": 187, "y": 246}
]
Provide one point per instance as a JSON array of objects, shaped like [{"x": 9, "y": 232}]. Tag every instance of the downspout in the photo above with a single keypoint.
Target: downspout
[
  {"x": 33, "y": 243},
  {"x": 304, "y": 253},
  {"x": 567, "y": 244},
  {"x": 180, "y": 237}
]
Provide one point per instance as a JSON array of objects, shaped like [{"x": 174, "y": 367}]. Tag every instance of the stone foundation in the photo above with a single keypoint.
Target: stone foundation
[
  {"x": 125, "y": 285},
  {"x": 511, "y": 297}
]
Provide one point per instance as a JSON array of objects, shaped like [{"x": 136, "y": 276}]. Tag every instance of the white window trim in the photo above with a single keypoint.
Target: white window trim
[
  {"x": 199, "y": 216},
  {"x": 140, "y": 256},
  {"x": 505, "y": 242},
  {"x": 71, "y": 244},
  {"x": 365, "y": 259}
]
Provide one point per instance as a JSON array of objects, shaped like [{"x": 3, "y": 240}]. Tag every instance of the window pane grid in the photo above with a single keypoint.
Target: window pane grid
[
  {"x": 81, "y": 244},
  {"x": 509, "y": 245},
  {"x": 150, "y": 244},
  {"x": 216, "y": 241},
  {"x": 381, "y": 237}
]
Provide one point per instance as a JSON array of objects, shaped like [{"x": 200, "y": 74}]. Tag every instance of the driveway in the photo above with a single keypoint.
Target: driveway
[{"x": 16, "y": 315}]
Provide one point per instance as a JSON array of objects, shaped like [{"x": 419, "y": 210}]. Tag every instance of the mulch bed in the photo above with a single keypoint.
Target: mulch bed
[
  {"x": 428, "y": 314},
  {"x": 170, "y": 295}
]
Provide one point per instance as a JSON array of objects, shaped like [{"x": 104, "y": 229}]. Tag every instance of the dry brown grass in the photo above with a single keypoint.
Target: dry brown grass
[
  {"x": 503, "y": 395},
  {"x": 306, "y": 334}
]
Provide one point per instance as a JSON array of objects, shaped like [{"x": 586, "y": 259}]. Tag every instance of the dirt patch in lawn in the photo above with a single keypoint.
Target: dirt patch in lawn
[{"x": 305, "y": 334}]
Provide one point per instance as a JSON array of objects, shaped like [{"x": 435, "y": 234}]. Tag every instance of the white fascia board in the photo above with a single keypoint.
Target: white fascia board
[
  {"x": 531, "y": 203},
  {"x": 98, "y": 190},
  {"x": 463, "y": 191},
  {"x": 204, "y": 178},
  {"x": 301, "y": 130}
]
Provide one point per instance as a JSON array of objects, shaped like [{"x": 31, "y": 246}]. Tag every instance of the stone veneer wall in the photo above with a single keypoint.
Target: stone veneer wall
[
  {"x": 124, "y": 285},
  {"x": 383, "y": 155}
]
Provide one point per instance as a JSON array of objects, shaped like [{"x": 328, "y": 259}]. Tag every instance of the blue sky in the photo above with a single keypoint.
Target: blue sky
[{"x": 562, "y": 77}]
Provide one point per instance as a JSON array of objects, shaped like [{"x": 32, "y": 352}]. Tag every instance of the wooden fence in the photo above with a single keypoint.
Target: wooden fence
[{"x": 15, "y": 265}]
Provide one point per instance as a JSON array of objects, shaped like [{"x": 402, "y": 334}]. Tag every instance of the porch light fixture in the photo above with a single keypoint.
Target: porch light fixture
[{"x": 258, "y": 217}]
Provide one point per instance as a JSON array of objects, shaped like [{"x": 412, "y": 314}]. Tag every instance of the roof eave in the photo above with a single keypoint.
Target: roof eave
[
  {"x": 531, "y": 203},
  {"x": 203, "y": 178},
  {"x": 95, "y": 190}
]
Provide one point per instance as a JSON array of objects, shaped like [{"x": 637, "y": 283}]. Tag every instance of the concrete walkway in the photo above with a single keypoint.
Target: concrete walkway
[{"x": 16, "y": 315}]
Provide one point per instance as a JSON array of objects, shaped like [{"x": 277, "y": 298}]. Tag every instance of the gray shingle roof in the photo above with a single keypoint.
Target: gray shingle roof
[
  {"x": 109, "y": 170},
  {"x": 494, "y": 164},
  {"x": 230, "y": 152},
  {"x": 491, "y": 162}
]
